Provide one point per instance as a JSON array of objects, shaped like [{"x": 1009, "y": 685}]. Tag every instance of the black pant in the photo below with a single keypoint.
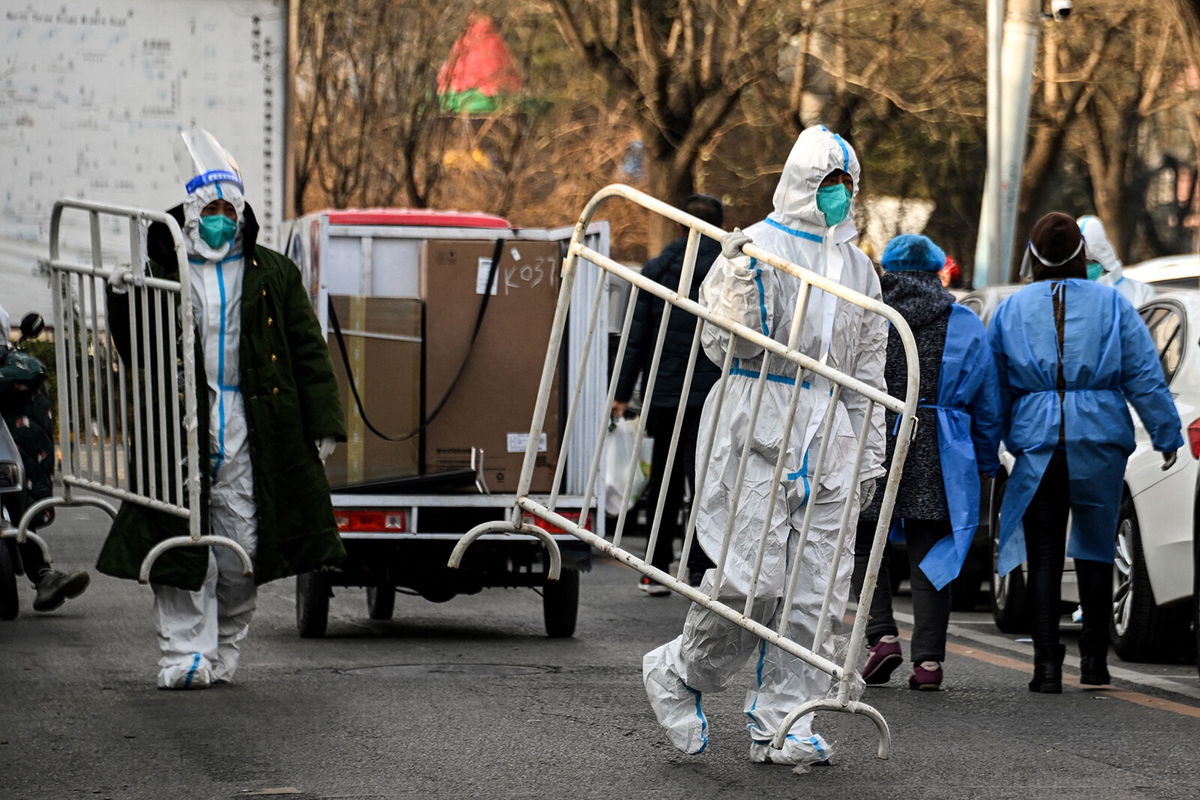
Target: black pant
[
  {"x": 931, "y": 607},
  {"x": 1045, "y": 523},
  {"x": 660, "y": 422}
]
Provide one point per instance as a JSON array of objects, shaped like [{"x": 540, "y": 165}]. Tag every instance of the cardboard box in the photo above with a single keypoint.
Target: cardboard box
[
  {"x": 493, "y": 403},
  {"x": 383, "y": 341}
]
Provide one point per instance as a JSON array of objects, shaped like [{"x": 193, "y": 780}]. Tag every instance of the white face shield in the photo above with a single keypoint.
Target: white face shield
[{"x": 213, "y": 174}]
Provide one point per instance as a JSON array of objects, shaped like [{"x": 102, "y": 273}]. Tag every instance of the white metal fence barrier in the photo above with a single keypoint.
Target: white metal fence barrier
[
  {"x": 127, "y": 401},
  {"x": 846, "y": 686}
]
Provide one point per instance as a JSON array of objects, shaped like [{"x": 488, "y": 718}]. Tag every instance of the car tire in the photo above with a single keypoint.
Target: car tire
[
  {"x": 381, "y": 602},
  {"x": 10, "y": 601},
  {"x": 1139, "y": 629},
  {"x": 560, "y": 604},
  {"x": 1010, "y": 600},
  {"x": 313, "y": 591}
]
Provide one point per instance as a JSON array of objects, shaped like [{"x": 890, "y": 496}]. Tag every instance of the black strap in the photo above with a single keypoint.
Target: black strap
[{"x": 497, "y": 253}]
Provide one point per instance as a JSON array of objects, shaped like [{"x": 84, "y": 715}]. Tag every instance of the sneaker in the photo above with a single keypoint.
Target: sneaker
[
  {"x": 676, "y": 705},
  {"x": 651, "y": 588},
  {"x": 926, "y": 677},
  {"x": 884, "y": 656},
  {"x": 55, "y": 588}
]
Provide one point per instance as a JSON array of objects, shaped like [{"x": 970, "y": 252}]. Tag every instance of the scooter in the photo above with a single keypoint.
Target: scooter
[{"x": 12, "y": 482}]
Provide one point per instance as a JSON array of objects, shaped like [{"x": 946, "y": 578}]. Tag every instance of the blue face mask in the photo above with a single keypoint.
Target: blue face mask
[
  {"x": 834, "y": 203},
  {"x": 1094, "y": 271},
  {"x": 217, "y": 230}
]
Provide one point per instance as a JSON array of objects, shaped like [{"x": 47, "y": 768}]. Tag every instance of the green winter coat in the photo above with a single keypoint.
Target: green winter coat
[{"x": 291, "y": 399}]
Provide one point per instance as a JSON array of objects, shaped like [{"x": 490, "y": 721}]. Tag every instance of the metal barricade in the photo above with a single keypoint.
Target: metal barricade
[
  {"x": 843, "y": 697},
  {"x": 127, "y": 424}
]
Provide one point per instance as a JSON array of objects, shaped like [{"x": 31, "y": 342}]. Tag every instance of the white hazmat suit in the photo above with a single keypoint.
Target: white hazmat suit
[
  {"x": 1099, "y": 249},
  {"x": 199, "y": 631},
  {"x": 712, "y": 650}
]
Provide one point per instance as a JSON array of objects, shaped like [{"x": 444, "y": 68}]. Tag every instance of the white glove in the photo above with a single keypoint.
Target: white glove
[
  {"x": 119, "y": 280},
  {"x": 733, "y": 242},
  {"x": 325, "y": 448},
  {"x": 1168, "y": 460},
  {"x": 866, "y": 492}
]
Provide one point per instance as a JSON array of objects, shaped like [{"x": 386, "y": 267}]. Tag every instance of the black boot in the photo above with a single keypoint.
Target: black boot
[
  {"x": 1093, "y": 668},
  {"x": 1047, "y": 669}
]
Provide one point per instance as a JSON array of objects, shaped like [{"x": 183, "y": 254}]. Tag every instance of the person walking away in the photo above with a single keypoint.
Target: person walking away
[
  {"x": 957, "y": 436},
  {"x": 1070, "y": 354},
  {"x": 668, "y": 387},
  {"x": 810, "y": 225},
  {"x": 1105, "y": 267},
  {"x": 271, "y": 414},
  {"x": 25, "y": 406}
]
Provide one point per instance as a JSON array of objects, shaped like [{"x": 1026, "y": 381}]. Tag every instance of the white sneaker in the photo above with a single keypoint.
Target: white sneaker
[
  {"x": 194, "y": 674},
  {"x": 676, "y": 705},
  {"x": 799, "y": 752}
]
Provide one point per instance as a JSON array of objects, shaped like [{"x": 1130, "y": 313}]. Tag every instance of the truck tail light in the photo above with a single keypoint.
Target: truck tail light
[
  {"x": 371, "y": 521},
  {"x": 550, "y": 527},
  {"x": 1193, "y": 431}
]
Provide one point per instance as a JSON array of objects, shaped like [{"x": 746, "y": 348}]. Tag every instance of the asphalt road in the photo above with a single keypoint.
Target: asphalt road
[{"x": 470, "y": 699}]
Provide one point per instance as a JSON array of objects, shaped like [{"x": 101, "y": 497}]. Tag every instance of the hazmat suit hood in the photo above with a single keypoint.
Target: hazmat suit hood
[
  {"x": 5, "y": 327},
  {"x": 211, "y": 174},
  {"x": 1097, "y": 246},
  {"x": 817, "y": 152}
]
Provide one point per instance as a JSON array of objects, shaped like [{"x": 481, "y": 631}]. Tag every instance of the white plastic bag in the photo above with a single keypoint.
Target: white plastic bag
[{"x": 618, "y": 457}]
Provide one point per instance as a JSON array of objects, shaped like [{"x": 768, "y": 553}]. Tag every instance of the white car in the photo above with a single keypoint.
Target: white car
[
  {"x": 1168, "y": 272},
  {"x": 1154, "y": 573}
]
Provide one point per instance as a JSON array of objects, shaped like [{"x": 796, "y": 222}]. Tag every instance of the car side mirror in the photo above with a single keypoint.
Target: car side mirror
[{"x": 32, "y": 325}]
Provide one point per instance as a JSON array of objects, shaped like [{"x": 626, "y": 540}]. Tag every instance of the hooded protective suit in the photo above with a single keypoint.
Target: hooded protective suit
[
  {"x": 711, "y": 650},
  {"x": 199, "y": 630},
  {"x": 1100, "y": 251}
]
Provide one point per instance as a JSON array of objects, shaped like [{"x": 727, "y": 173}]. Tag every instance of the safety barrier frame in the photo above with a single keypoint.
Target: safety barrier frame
[
  {"x": 106, "y": 446},
  {"x": 843, "y": 674}
]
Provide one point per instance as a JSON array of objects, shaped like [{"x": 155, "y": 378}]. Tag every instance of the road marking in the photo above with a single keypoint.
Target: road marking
[{"x": 1129, "y": 696}]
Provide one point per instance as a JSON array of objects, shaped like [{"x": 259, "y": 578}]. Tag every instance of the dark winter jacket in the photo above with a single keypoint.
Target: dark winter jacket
[
  {"x": 925, "y": 306},
  {"x": 25, "y": 406},
  {"x": 291, "y": 400},
  {"x": 643, "y": 332}
]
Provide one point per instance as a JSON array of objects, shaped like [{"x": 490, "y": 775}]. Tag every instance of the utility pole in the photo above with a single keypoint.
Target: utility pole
[{"x": 1013, "y": 30}]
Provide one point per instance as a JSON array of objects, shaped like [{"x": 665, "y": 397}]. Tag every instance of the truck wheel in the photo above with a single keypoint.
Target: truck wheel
[
  {"x": 560, "y": 604},
  {"x": 312, "y": 604},
  {"x": 10, "y": 603},
  {"x": 381, "y": 602}
]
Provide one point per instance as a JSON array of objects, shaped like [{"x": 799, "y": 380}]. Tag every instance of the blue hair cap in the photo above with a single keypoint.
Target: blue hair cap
[{"x": 910, "y": 252}]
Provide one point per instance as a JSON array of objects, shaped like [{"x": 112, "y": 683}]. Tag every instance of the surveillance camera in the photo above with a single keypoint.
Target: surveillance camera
[{"x": 1061, "y": 9}]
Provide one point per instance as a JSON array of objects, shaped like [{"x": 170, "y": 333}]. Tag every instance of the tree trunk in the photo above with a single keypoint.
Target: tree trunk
[{"x": 671, "y": 184}]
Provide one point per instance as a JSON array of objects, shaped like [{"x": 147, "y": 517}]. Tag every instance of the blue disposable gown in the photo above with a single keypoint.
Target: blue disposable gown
[
  {"x": 968, "y": 426},
  {"x": 1108, "y": 360}
]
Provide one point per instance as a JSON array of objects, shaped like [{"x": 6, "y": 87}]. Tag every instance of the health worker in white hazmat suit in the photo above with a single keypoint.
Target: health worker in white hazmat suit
[
  {"x": 272, "y": 417},
  {"x": 1103, "y": 265},
  {"x": 811, "y": 225},
  {"x": 188, "y": 636}
]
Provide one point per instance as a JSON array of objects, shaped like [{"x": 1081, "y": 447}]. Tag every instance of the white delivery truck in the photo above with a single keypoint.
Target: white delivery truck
[{"x": 437, "y": 324}]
